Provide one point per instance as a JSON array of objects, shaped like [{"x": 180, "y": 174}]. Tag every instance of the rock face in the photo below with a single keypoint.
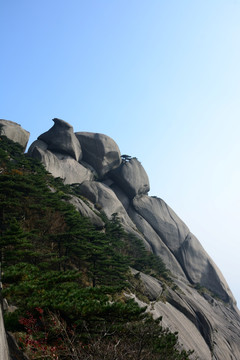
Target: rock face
[
  {"x": 200, "y": 305},
  {"x": 86, "y": 211},
  {"x": 60, "y": 164},
  {"x": 105, "y": 200},
  {"x": 163, "y": 220},
  {"x": 131, "y": 177},
  {"x": 100, "y": 151},
  {"x": 61, "y": 138},
  {"x": 14, "y": 132},
  {"x": 203, "y": 323},
  {"x": 198, "y": 267}
]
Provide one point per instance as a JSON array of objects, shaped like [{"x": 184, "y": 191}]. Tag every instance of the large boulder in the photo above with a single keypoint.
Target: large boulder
[
  {"x": 14, "y": 132},
  {"x": 131, "y": 177},
  {"x": 100, "y": 151},
  {"x": 157, "y": 245},
  {"x": 60, "y": 165},
  {"x": 200, "y": 268},
  {"x": 194, "y": 261},
  {"x": 163, "y": 220},
  {"x": 61, "y": 138}
]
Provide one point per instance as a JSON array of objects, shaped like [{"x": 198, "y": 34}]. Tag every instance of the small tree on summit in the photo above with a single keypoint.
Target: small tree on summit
[{"x": 126, "y": 157}]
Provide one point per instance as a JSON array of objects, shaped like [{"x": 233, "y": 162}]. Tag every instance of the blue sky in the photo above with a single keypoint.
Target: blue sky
[{"x": 162, "y": 78}]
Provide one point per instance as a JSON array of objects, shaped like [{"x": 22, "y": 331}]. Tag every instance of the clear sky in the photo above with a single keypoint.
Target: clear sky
[{"x": 161, "y": 77}]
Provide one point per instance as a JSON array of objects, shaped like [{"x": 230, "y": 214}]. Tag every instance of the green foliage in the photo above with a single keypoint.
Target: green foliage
[
  {"x": 55, "y": 261},
  {"x": 133, "y": 248}
]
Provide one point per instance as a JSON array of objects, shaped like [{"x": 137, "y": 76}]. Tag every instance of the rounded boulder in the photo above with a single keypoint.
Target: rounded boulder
[
  {"x": 100, "y": 151},
  {"x": 61, "y": 138}
]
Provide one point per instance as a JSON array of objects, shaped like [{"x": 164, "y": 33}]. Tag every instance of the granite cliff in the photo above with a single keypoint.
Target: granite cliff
[{"x": 201, "y": 306}]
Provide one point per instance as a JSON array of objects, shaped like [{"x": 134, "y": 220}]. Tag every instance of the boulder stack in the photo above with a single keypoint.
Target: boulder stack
[{"x": 200, "y": 305}]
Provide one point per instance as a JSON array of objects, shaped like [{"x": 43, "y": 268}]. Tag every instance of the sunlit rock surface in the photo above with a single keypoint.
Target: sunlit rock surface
[
  {"x": 131, "y": 177},
  {"x": 60, "y": 164},
  {"x": 14, "y": 132},
  {"x": 163, "y": 220}
]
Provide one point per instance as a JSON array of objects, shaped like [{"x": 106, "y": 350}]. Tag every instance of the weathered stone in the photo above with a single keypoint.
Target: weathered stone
[
  {"x": 131, "y": 177},
  {"x": 188, "y": 333},
  {"x": 60, "y": 165},
  {"x": 106, "y": 200},
  {"x": 121, "y": 195},
  {"x": 200, "y": 268},
  {"x": 163, "y": 220},
  {"x": 211, "y": 328},
  {"x": 61, "y": 138},
  {"x": 152, "y": 287},
  {"x": 100, "y": 151},
  {"x": 194, "y": 261},
  {"x": 14, "y": 132},
  {"x": 157, "y": 245},
  {"x": 86, "y": 211}
]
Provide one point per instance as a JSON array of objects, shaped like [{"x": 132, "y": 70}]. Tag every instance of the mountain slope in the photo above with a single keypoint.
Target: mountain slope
[{"x": 194, "y": 299}]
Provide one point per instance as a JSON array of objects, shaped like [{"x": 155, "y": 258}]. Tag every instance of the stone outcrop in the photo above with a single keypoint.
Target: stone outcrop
[
  {"x": 163, "y": 220},
  {"x": 105, "y": 200},
  {"x": 14, "y": 132},
  {"x": 85, "y": 210},
  {"x": 131, "y": 177},
  {"x": 158, "y": 247},
  {"x": 200, "y": 268},
  {"x": 199, "y": 304},
  {"x": 100, "y": 151},
  {"x": 61, "y": 138},
  {"x": 60, "y": 164},
  {"x": 197, "y": 266},
  {"x": 202, "y": 322}
]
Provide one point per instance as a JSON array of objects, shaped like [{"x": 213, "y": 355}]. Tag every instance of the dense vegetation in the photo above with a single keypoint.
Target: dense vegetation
[{"x": 68, "y": 280}]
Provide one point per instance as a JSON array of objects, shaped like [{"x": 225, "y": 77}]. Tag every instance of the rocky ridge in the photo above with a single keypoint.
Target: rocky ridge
[{"x": 201, "y": 306}]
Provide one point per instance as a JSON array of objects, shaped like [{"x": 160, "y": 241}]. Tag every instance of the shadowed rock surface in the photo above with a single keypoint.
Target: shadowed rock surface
[
  {"x": 61, "y": 138},
  {"x": 100, "y": 151},
  {"x": 199, "y": 304}
]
